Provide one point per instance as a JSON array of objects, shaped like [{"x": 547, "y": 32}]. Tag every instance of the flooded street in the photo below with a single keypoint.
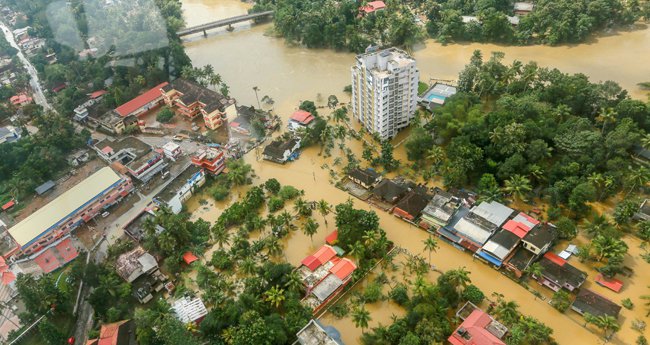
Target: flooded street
[{"x": 247, "y": 57}]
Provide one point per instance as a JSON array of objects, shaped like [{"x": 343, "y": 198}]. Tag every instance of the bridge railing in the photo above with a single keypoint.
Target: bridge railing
[{"x": 223, "y": 22}]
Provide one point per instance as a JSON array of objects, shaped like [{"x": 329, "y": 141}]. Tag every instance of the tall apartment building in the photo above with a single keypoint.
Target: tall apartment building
[{"x": 385, "y": 91}]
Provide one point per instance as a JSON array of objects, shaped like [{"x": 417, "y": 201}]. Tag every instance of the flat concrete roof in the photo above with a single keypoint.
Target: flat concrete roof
[{"x": 51, "y": 214}]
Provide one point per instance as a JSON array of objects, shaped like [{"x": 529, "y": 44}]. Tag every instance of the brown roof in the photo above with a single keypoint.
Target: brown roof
[{"x": 193, "y": 92}]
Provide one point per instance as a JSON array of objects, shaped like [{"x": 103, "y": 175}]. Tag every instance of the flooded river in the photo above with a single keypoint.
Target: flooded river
[{"x": 248, "y": 57}]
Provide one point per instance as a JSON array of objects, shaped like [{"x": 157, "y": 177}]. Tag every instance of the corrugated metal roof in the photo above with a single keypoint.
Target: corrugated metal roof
[{"x": 58, "y": 209}]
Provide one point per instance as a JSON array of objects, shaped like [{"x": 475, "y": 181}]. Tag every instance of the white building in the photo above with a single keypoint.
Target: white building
[
  {"x": 181, "y": 189},
  {"x": 385, "y": 91},
  {"x": 189, "y": 309}
]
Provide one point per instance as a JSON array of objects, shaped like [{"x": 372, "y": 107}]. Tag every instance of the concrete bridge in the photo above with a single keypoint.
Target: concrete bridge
[{"x": 223, "y": 22}]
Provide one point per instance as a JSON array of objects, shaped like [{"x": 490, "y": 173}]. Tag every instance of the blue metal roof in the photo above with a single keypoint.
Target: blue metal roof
[{"x": 489, "y": 258}]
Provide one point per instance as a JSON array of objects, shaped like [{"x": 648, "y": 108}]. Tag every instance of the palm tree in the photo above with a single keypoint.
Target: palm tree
[
  {"x": 420, "y": 286},
  {"x": 255, "y": 88},
  {"x": 302, "y": 207},
  {"x": 361, "y": 317},
  {"x": 248, "y": 266},
  {"x": 324, "y": 208},
  {"x": 607, "y": 323},
  {"x": 535, "y": 270},
  {"x": 220, "y": 235},
  {"x": 436, "y": 155},
  {"x": 294, "y": 283},
  {"x": 431, "y": 245},
  {"x": 645, "y": 141},
  {"x": 370, "y": 238},
  {"x": 237, "y": 176},
  {"x": 608, "y": 115},
  {"x": 357, "y": 250},
  {"x": 608, "y": 247},
  {"x": 274, "y": 247},
  {"x": 310, "y": 228},
  {"x": 507, "y": 311},
  {"x": 286, "y": 219},
  {"x": 598, "y": 225},
  {"x": 275, "y": 296},
  {"x": 638, "y": 176},
  {"x": 518, "y": 185},
  {"x": 459, "y": 278}
]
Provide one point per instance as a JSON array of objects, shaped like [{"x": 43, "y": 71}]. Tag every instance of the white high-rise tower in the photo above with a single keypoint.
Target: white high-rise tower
[{"x": 385, "y": 91}]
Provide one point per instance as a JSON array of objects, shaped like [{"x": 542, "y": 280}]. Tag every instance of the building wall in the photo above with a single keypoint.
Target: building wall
[
  {"x": 384, "y": 91},
  {"x": 145, "y": 172},
  {"x": 94, "y": 207},
  {"x": 186, "y": 192}
]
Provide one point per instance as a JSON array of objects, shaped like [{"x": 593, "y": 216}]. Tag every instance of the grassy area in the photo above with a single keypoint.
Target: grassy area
[{"x": 422, "y": 87}]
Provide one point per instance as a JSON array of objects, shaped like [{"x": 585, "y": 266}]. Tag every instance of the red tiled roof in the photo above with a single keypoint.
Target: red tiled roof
[
  {"x": 302, "y": 116},
  {"x": 612, "y": 284},
  {"x": 8, "y": 205},
  {"x": 59, "y": 87},
  {"x": 67, "y": 251},
  {"x": 311, "y": 262},
  {"x": 373, "y": 6},
  {"x": 516, "y": 228},
  {"x": 332, "y": 237},
  {"x": 140, "y": 101},
  {"x": 343, "y": 268},
  {"x": 555, "y": 259},
  {"x": 325, "y": 254},
  {"x": 476, "y": 334},
  {"x": 189, "y": 257},
  {"x": 8, "y": 277},
  {"x": 106, "y": 150},
  {"x": 98, "y": 94},
  {"x": 47, "y": 261},
  {"x": 109, "y": 334},
  {"x": 19, "y": 99}
]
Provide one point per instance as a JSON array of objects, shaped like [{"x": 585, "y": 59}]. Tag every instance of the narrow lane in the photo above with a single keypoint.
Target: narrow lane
[{"x": 39, "y": 96}]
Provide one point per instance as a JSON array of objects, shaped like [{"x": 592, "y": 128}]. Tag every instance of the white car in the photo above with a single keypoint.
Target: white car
[{"x": 105, "y": 214}]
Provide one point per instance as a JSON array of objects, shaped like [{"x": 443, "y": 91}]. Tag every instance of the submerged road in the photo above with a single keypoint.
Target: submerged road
[{"x": 39, "y": 96}]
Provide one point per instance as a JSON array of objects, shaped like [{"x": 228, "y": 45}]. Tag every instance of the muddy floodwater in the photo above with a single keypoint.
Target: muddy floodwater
[{"x": 248, "y": 57}]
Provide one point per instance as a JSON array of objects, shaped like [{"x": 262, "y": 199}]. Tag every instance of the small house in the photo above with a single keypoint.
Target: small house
[
  {"x": 411, "y": 206},
  {"x": 8, "y": 134},
  {"x": 499, "y": 247},
  {"x": 558, "y": 274},
  {"x": 389, "y": 191},
  {"x": 315, "y": 333},
  {"x": 300, "y": 119},
  {"x": 523, "y": 8},
  {"x": 479, "y": 224},
  {"x": 372, "y": 7},
  {"x": 117, "y": 333},
  {"x": 281, "y": 150},
  {"x": 366, "y": 178},
  {"x": 181, "y": 188},
  {"x": 590, "y": 302},
  {"x": 189, "y": 310},
  {"x": 439, "y": 210},
  {"x": 477, "y": 328},
  {"x": 540, "y": 238}
]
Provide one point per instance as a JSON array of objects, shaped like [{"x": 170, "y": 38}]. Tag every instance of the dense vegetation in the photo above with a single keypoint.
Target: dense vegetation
[
  {"x": 551, "y": 22},
  {"x": 429, "y": 305},
  {"x": 337, "y": 24},
  {"x": 150, "y": 38},
  {"x": 535, "y": 132},
  {"x": 36, "y": 158}
]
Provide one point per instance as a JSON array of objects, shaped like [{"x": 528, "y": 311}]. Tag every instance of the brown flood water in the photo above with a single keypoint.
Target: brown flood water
[{"x": 247, "y": 58}]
